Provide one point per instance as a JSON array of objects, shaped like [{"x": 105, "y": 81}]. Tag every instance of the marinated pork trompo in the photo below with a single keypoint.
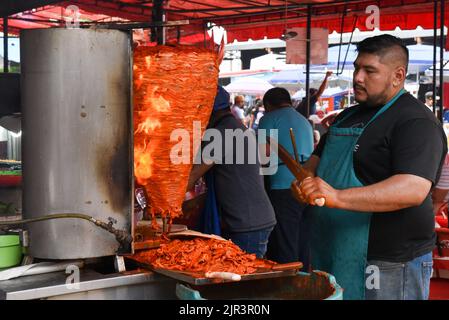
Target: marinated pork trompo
[
  {"x": 173, "y": 87},
  {"x": 202, "y": 255}
]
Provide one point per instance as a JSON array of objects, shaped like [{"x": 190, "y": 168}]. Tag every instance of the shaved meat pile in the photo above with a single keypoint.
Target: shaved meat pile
[
  {"x": 173, "y": 88},
  {"x": 202, "y": 255}
]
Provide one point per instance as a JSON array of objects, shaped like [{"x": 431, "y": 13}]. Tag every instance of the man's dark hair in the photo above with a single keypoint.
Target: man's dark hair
[
  {"x": 381, "y": 45},
  {"x": 277, "y": 97}
]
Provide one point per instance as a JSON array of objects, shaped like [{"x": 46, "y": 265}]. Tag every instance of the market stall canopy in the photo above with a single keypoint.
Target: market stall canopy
[
  {"x": 268, "y": 61},
  {"x": 334, "y": 91},
  {"x": 294, "y": 76},
  {"x": 252, "y": 86},
  {"x": 429, "y": 72},
  {"x": 329, "y": 92},
  {"x": 243, "y": 20},
  {"x": 420, "y": 56},
  {"x": 340, "y": 77},
  {"x": 301, "y": 93},
  {"x": 329, "y": 15},
  {"x": 339, "y": 55}
]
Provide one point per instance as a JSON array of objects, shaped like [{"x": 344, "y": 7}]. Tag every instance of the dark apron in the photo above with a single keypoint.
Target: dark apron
[{"x": 339, "y": 243}]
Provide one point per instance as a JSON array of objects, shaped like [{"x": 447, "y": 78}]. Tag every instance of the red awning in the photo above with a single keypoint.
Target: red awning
[
  {"x": 412, "y": 15},
  {"x": 242, "y": 19},
  {"x": 405, "y": 21}
]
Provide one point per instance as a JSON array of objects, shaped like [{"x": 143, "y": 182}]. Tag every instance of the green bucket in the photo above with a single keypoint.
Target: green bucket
[{"x": 10, "y": 251}]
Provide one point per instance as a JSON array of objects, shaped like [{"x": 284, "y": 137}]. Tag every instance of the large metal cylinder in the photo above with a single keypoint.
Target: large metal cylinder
[{"x": 77, "y": 153}]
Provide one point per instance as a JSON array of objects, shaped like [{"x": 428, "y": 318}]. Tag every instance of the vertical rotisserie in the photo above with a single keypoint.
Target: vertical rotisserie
[{"x": 173, "y": 88}]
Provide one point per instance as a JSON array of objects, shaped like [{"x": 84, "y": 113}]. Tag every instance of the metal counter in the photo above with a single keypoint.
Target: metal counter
[{"x": 132, "y": 285}]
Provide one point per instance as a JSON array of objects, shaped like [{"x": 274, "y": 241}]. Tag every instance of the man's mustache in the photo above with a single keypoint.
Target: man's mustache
[{"x": 356, "y": 86}]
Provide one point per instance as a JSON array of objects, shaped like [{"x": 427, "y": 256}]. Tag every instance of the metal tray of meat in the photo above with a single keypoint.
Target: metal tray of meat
[
  {"x": 199, "y": 278},
  {"x": 269, "y": 269}
]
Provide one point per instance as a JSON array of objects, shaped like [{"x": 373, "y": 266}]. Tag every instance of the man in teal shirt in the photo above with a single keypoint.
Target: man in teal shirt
[{"x": 289, "y": 240}]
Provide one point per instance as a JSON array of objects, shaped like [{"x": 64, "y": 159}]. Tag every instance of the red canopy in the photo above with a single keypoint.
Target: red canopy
[
  {"x": 243, "y": 20},
  {"x": 410, "y": 17}
]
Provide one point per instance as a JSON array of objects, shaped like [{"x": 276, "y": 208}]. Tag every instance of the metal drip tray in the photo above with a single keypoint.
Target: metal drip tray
[{"x": 199, "y": 278}]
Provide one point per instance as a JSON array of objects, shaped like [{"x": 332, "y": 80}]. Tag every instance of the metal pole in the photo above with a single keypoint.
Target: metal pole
[
  {"x": 347, "y": 49},
  {"x": 441, "y": 91},
  {"x": 435, "y": 18},
  {"x": 5, "y": 45},
  {"x": 308, "y": 40},
  {"x": 158, "y": 15},
  {"x": 341, "y": 39}
]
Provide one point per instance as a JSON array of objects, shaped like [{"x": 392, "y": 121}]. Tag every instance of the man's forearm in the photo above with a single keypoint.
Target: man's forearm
[
  {"x": 322, "y": 86},
  {"x": 392, "y": 194}
]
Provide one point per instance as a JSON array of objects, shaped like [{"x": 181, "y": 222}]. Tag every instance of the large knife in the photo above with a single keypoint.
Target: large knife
[{"x": 295, "y": 168}]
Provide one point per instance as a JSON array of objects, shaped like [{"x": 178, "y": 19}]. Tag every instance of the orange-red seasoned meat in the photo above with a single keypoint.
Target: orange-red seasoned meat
[
  {"x": 202, "y": 255},
  {"x": 173, "y": 87}
]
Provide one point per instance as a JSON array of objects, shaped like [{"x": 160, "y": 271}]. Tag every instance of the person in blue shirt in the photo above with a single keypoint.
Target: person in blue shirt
[{"x": 288, "y": 241}]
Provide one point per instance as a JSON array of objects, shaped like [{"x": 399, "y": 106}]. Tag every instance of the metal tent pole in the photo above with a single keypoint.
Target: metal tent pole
[
  {"x": 5, "y": 45},
  {"x": 435, "y": 17},
  {"x": 308, "y": 40},
  {"x": 158, "y": 15},
  {"x": 441, "y": 91}
]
